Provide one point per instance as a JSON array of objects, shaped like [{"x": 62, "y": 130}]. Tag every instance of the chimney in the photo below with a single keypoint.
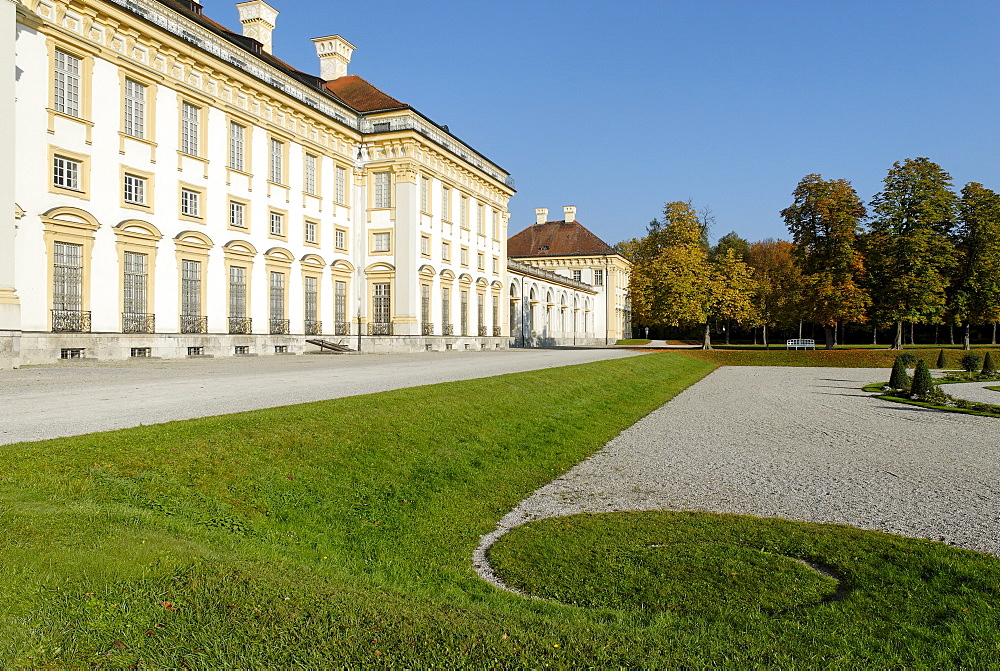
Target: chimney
[
  {"x": 258, "y": 19},
  {"x": 334, "y": 55},
  {"x": 541, "y": 215},
  {"x": 569, "y": 213}
]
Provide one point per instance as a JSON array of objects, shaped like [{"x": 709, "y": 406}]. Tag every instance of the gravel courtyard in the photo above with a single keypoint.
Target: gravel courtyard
[
  {"x": 73, "y": 398},
  {"x": 798, "y": 443}
]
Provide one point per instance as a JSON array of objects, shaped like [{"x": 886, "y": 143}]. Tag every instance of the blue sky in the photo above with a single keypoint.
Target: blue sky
[{"x": 619, "y": 106}]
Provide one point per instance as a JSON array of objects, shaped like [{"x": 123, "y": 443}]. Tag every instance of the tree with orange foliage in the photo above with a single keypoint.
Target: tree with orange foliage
[{"x": 777, "y": 284}]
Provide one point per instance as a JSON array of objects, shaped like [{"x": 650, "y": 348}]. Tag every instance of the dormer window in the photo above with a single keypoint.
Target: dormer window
[{"x": 543, "y": 248}]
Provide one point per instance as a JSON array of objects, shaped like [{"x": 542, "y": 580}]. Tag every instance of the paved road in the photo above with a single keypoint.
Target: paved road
[
  {"x": 73, "y": 398},
  {"x": 798, "y": 443}
]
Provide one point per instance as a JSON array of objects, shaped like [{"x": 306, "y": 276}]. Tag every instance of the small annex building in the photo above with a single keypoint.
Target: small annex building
[{"x": 567, "y": 286}]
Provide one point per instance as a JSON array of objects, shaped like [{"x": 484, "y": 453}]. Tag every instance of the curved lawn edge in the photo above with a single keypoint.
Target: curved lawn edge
[{"x": 876, "y": 390}]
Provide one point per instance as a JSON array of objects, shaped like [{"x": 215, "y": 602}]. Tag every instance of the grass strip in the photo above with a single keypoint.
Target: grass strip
[{"x": 860, "y": 357}]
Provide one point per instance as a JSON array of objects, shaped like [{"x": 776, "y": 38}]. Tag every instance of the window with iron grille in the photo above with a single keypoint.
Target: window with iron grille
[
  {"x": 380, "y": 302},
  {"x": 135, "y": 189},
  {"x": 445, "y": 203},
  {"x": 190, "y": 129},
  {"x": 445, "y": 305},
  {"x": 277, "y": 295},
  {"x": 67, "y": 84},
  {"x": 383, "y": 183},
  {"x": 191, "y": 288},
  {"x": 237, "y": 292},
  {"x": 310, "y": 231},
  {"x": 237, "y": 145},
  {"x": 425, "y": 187},
  {"x": 464, "y": 312},
  {"x": 496, "y": 311},
  {"x": 135, "y": 109},
  {"x": 340, "y": 301},
  {"x": 66, "y": 173},
  {"x": 190, "y": 203},
  {"x": 339, "y": 239},
  {"x": 311, "y": 306},
  {"x": 463, "y": 212},
  {"x": 479, "y": 220},
  {"x": 310, "y": 175},
  {"x": 381, "y": 242},
  {"x": 135, "y": 283},
  {"x": 237, "y": 213},
  {"x": 425, "y": 304},
  {"x": 277, "y": 161},
  {"x": 67, "y": 276},
  {"x": 481, "y": 311},
  {"x": 277, "y": 223},
  {"x": 340, "y": 186},
  {"x": 599, "y": 278},
  {"x": 577, "y": 275}
]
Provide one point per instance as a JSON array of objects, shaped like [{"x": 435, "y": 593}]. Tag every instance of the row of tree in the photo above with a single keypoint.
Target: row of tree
[{"x": 920, "y": 253}]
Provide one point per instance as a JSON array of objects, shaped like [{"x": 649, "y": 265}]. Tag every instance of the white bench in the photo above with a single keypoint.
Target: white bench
[{"x": 801, "y": 343}]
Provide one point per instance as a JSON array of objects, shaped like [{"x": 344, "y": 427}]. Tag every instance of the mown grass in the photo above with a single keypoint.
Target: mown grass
[
  {"x": 634, "y": 341},
  {"x": 862, "y": 357},
  {"x": 340, "y": 534}
]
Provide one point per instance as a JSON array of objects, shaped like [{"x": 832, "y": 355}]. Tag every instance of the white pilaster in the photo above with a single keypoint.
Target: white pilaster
[{"x": 10, "y": 307}]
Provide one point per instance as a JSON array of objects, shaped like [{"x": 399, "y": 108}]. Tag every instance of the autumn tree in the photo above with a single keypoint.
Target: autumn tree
[
  {"x": 825, "y": 220},
  {"x": 910, "y": 255},
  {"x": 730, "y": 241},
  {"x": 777, "y": 285},
  {"x": 731, "y": 292},
  {"x": 975, "y": 288}
]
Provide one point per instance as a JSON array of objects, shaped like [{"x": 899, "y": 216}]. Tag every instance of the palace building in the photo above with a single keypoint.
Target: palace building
[{"x": 175, "y": 189}]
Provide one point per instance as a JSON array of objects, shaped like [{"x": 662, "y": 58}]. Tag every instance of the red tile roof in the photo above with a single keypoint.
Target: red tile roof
[
  {"x": 556, "y": 238},
  {"x": 361, "y": 95}
]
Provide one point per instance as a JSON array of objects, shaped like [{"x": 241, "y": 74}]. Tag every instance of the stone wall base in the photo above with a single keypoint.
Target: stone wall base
[{"x": 10, "y": 349}]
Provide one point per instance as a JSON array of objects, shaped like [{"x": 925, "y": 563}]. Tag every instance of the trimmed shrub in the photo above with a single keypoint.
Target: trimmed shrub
[
  {"x": 989, "y": 369},
  {"x": 921, "y": 379},
  {"x": 899, "y": 379},
  {"x": 941, "y": 362},
  {"x": 971, "y": 362},
  {"x": 909, "y": 360}
]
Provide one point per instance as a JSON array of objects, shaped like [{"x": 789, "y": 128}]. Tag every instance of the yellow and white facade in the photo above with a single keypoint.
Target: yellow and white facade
[{"x": 176, "y": 190}]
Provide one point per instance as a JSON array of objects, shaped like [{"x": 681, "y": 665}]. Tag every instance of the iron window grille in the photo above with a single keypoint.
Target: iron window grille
[
  {"x": 240, "y": 325},
  {"x": 71, "y": 321}
]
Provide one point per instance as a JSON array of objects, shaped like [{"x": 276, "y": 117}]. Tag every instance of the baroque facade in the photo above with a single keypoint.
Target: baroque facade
[{"x": 177, "y": 190}]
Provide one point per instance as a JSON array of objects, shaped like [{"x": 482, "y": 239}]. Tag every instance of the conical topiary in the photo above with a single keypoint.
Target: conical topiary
[
  {"x": 942, "y": 363},
  {"x": 921, "y": 379},
  {"x": 989, "y": 368},
  {"x": 899, "y": 379}
]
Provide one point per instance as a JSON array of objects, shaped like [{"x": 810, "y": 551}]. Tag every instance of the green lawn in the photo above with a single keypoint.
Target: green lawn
[
  {"x": 863, "y": 357},
  {"x": 340, "y": 534}
]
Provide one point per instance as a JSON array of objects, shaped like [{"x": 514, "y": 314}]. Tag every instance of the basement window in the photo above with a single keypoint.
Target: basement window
[
  {"x": 71, "y": 353},
  {"x": 196, "y": 351},
  {"x": 140, "y": 352},
  {"x": 241, "y": 349}
]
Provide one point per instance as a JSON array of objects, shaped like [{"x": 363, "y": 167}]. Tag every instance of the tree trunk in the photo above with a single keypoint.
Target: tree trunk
[
  {"x": 965, "y": 338},
  {"x": 828, "y": 333},
  {"x": 729, "y": 327},
  {"x": 754, "y": 336},
  {"x": 707, "y": 344},
  {"x": 897, "y": 343},
  {"x": 951, "y": 333},
  {"x": 994, "y": 333},
  {"x": 913, "y": 341},
  {"x": 836, "y": 333},
  {"x": 874, "y": 335},
  {"x": 767, "y": 345},
  {"x": 800, "y": 329}
]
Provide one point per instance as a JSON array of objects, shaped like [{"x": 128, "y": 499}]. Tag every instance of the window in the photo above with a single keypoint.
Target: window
[
  {"x": 277, "y": 224},
  {"x": 480, "y": 261},
  {"x": 310, "y": 175},
  {"x": 190, "y": 203},
  {"x": 135, "y": 190},
  {"x": 496, "y": 313},
  {"x": 481, "y": 313},
  {"x": 196, "y": 351},
  {"x": 190, "y": 128},
  {"x": 237, "y": 292},
  {"x": 237, "y": 214},
  {"x": 311, "y": 304},
  {"x": 479, "y": 220},
  {"x": 446, "y": 307},
  {"x": 577, "y": 275},
  {"x": 445, "y": 251},
  {"x": 67, "y": 276},
  {"x": 425, "y": 187},
  {"x": 277, "y": 161},
  {"x": 382, "y": 196},
  {"x": 464, "y": 256},
  {"x": 598, "y": 278},
  {"x": 190, "y": 288},
  {"x": 445, "y": 203},
  {"x": 67, "y": 84},
  {"x": 496, "y": 265},
  {"x": 340, "y": 239},
  {"x": 463, "y": 212},
  {"x": 381, "y": 242},
  {"x": 66, "y": 173},
  {"x": 340, "y": 185},
  {"x": 380, "y": 302},
  {"x": 277, "y": 296},
  {"x": 463, "y": 315},
  {"x": 135, "y": 284},
  {"x": 135, "y": 109},
  {"x": 311, "y": 231},
  {"x": 425, "y": 245},
  {"x": 340, "y": 302},
  {"x": 237, "y": 145}
]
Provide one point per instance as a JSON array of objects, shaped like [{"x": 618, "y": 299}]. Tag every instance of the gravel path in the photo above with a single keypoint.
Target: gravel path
[
  {"x": 974, "y": 391},
  {"x": 798, "y": 443},
  {"x": 73, "y": 398}
]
